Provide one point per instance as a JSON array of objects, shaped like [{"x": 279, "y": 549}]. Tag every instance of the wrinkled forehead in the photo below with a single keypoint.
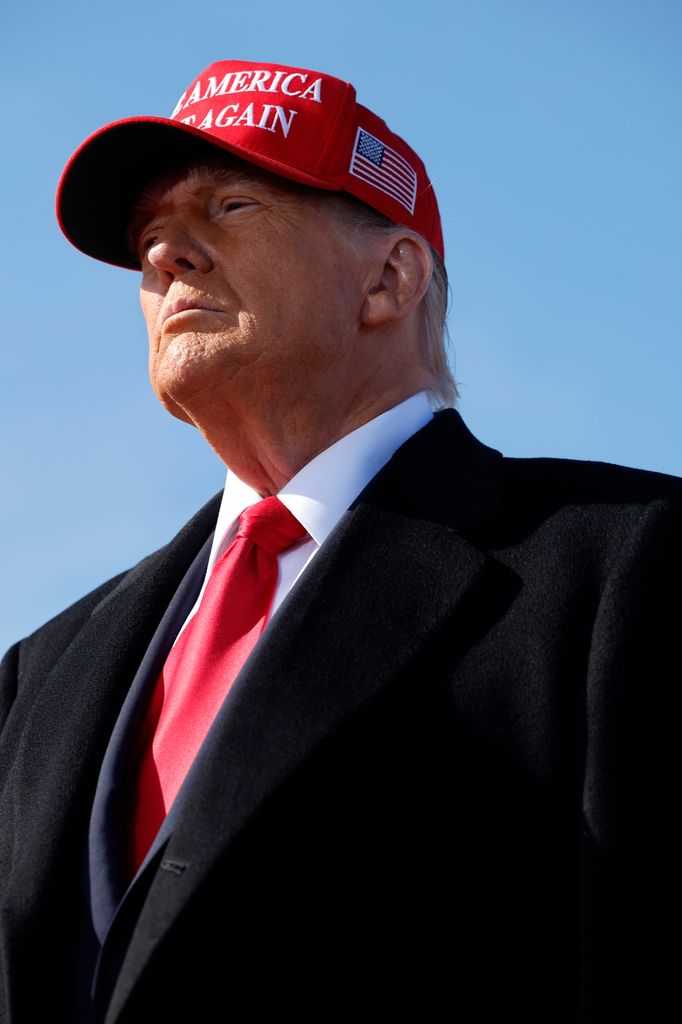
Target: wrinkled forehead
[{"x": 212, "y": 170}]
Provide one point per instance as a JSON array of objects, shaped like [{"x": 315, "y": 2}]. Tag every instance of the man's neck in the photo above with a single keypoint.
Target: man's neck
[{"x": 266, "y": 452}]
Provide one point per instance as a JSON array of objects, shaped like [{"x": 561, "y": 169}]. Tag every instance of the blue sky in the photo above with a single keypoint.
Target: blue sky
[{"x": 552, "y": 134}]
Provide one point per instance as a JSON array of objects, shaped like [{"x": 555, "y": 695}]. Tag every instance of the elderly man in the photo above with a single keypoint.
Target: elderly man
[{"x": 387, "y": 732}]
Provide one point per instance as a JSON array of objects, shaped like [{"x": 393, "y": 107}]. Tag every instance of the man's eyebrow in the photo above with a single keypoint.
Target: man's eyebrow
[{"x": 148, "y": 198}]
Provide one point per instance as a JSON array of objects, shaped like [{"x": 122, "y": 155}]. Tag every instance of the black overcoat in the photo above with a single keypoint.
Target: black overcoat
[{"x": 445, "y": 788}]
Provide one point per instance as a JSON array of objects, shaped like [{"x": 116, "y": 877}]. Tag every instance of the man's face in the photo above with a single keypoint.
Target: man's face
[{"x": 249, "y": 288}]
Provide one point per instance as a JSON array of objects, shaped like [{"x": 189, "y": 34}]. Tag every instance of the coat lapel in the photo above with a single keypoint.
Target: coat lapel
[
  {"x": 393, "y": 573},
  {"x": 110, "y": 811}
]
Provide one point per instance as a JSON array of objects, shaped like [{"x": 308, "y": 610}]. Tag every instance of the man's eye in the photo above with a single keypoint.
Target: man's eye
[
  {"x": 146, "y": 244},
  {"x": 230, "y": 205}
]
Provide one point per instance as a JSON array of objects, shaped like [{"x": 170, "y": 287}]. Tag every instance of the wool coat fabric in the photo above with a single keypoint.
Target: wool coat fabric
[{"x": 443, "y": 788}]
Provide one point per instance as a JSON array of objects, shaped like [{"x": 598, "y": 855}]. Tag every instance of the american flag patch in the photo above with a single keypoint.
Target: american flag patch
[{"x": 379, "y": 165}]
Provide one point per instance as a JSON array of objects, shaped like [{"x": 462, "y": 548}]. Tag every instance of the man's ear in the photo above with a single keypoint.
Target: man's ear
[{"x": 404, "y": 271}]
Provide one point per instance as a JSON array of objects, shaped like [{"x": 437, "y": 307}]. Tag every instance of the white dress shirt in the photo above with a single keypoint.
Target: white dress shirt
[{"x": 321, "y": 492}]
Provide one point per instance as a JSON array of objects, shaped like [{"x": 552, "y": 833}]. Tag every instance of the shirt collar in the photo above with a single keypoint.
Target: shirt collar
[{"x": 322, "y": 490}]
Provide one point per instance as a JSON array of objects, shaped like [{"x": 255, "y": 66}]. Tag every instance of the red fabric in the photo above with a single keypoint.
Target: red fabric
[{"x": 205, "y": 661}]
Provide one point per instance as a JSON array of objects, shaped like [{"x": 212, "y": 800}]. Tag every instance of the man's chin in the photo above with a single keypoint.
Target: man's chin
[{"x": 175, "y": 410}]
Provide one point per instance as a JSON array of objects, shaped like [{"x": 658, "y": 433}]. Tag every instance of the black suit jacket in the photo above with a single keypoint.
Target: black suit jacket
[{"x": 443, "y": 788}]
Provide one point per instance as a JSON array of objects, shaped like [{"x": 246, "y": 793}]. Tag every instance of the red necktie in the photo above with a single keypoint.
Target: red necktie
[{"x": 205, "y": 661}]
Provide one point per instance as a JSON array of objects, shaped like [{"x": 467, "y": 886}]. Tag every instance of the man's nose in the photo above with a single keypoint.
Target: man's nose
[{"x": 176, "y": 251}]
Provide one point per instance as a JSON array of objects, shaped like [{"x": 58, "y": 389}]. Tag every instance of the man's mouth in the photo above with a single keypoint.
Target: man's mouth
[{"x": 178, "y": 306}]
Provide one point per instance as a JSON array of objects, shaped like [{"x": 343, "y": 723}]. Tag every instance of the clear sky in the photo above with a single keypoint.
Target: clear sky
[{"x": 551, "y": 130}]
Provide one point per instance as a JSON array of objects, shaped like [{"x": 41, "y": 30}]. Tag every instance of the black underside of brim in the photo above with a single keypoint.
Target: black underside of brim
[{"x": 107, "y": 177}]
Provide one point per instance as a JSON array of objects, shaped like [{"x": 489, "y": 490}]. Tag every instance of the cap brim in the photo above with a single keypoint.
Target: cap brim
[{"x": 105, "y": 176}]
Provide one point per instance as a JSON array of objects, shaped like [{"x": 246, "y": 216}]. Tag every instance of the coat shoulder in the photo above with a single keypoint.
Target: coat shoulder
[
  {"x": 572, "y": 480},
  {"x": 584, "y": 514}
]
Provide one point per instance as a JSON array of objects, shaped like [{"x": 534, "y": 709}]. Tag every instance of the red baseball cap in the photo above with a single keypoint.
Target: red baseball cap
[{"x": 300, "y": 124}]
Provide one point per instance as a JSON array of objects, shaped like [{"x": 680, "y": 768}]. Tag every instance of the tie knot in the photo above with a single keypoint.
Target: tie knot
[{"x": 270, "y": 525}]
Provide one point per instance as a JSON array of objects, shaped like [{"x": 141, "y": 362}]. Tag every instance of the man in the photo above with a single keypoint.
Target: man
[{"x": 386, "y": 733}]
